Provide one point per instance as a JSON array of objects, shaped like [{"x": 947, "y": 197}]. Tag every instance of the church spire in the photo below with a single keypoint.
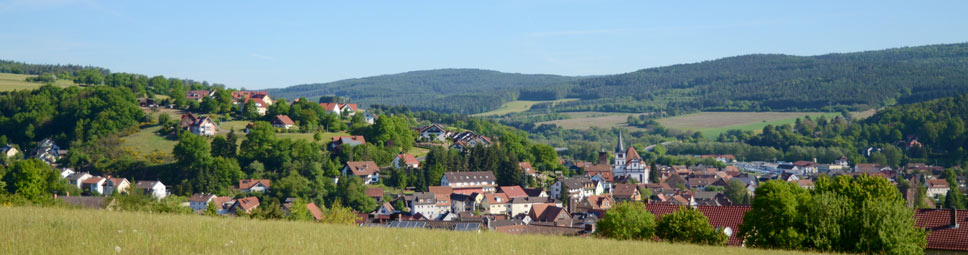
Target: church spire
[{"x": 620, "y": 147}]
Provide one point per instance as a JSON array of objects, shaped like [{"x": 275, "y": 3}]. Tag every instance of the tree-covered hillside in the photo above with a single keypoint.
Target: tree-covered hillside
[
  {"x": 446, "y": 90},
  {"x": 788, "y": 83}
]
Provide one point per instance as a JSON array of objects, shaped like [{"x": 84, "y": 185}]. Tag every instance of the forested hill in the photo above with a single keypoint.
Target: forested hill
[
  {"x": 447, "y": 90},
  {"x": 790, "y": 83}
]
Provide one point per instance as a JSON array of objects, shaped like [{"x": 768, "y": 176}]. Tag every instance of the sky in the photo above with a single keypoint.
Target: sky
[{"x": 257, "y": 44}]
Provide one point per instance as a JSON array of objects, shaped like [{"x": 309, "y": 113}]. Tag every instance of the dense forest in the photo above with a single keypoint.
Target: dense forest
[
  {"x": 445, "y": 90},
  {"x": 760, "y": 82}
]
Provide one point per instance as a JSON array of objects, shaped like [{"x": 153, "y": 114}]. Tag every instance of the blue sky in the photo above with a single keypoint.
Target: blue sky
[{"x": 258, "y": 45}]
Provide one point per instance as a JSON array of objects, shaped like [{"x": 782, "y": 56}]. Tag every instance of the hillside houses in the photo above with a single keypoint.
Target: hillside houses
[
  {"x": 405, "y": 160},
  {"x": 354, "y": 140},
  {"x": 282, "y": 122},
  {"x": 468, "y": 139},
  {"x": 254, "y": 185},
  {"x": 434, "y": 132},
  {"x": 340, "y": 109}
]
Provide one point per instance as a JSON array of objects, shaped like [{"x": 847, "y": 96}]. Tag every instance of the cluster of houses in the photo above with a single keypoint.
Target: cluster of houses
[{"x": 437, "y": 133}]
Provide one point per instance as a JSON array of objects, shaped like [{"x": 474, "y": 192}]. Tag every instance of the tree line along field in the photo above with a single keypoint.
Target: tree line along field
[
  {"x": 28, "y": 230},
  {"x": 9, "y": 81}
]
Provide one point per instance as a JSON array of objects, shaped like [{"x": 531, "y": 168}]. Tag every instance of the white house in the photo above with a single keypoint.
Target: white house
[
  {"x": 66, "y": 172},
  {"x": 95, "y": 185},
  {"x": 937, "y": 187},
  {"x": 77, "y": 179},
  {"x": 425, "y": 203},
  {"x": 254, "y": 185},
  {"x": 496, "y": 203},
  {"x": 435, "y": 132},
  {"x": 577, "y": 187},
  {"x": 481, "y": 180},
  {"x": 199, "y": 202},
  {"x": 522, "y": 205},
  {"x": 204, "y": 126},
  {"x": 9, "y": 151},
  {"x": 366, "y": 170},
  {"x": 154, "y": 188}
]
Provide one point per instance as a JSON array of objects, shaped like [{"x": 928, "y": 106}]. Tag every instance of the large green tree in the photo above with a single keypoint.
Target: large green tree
[
  {"x": 689, "y": 226},
  {"x": 627, "y": 221}
]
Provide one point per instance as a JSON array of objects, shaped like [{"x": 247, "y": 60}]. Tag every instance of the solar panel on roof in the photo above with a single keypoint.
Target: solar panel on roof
[{"x": 420, "y": 224}]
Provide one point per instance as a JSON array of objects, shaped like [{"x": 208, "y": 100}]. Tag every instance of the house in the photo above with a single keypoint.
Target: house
[
  {"x": 246, "y": 204},
  {"x": 223, "y": 205},
  {"x": 595, "y": 202},
  {"x": 385, "y": 209},
  {"x": 937, "y": 187},
  {"x": 339, "y": 109},
  {"x": 577, "y": 188},
  {"x": 198, "y": 95},
  {"x": 526, "y": 167},
  {"x": 513, "y": 191},
  {"x": 9, "y": 151},
  {"x": 469, "y": 139},
  {"x": 282, "y": 122},
  {"x": 199, "y": 202},
  {"x": 260, "y": 101},
  {"x": 187, "y": 119},
  {"x": 204, "y": 126},
  {"x": 522, "y": 205},
  {"x": 375, "y": 192},
  {"x": 242, "y": 95},
  {"x": 496, "y": 203},
  {"x": 370, "y": 118},
  {"x": 405, "y": 160},
  {"x": 94, "y": 185},
  {"x": 366, "y": 170},
  {"x": 116, "y": 185},
  {"x": 805, "y": 183},
  {"x": 315, "y": 211},
  {"x": 483, "y": 181},
  {"x": 602, "y": 170},
  {"x": 48, "y": 151},
  {"x": 155, "y": 189},
  {"x": 869, "y": 167},
  {"x": 77, "y": 179},
  {"x": 425, "y": 203},
  {"x": 66, "y": 172},
  {"x": 339, "y": 141},
  {"x": 255, "y": 185},
  {"x": 434, "y": 132},
  {"x": 806, "y": 167},
  {"x": 555, "y": 215},
  {"x": 465, "y": 202},
  {"x": 626, "y": 192}
]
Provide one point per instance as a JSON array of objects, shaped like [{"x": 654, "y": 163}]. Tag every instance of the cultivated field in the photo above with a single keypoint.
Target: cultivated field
[
  {"x": 9, "y": 81},
  {"x": 711, "y": 124},
  {"x": 583, "y": 120},
  {"x": 519, "y": 106},
  {"x": 30, "y": 230}
]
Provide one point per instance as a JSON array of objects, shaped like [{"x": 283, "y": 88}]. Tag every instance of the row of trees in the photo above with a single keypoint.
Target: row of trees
[{"x": 632, "y": 221}]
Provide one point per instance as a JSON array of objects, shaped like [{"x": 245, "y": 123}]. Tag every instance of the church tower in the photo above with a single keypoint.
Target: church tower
[{"x": 620, "y": 156}]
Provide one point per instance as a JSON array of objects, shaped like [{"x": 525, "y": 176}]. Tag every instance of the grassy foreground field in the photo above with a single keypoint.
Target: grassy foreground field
[
  {"x": 518, "y": 106},
  {"x": 9, "y": 81},
  {"x": 31, "y": 230}
]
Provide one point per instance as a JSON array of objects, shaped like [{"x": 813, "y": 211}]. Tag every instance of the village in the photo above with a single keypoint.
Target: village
[{"x": 559, "y": 205}]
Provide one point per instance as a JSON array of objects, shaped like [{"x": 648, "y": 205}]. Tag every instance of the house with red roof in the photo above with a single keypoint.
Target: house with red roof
[
  {"x": 512, "y": 191},
  {"x": 527, "y": 168},
  {"x": 283, "y": 122},
  {"x": 351, "y": 140},
  {"x": 405, "y": 160},
  {"x": 726, "y": 219},
  {"x": 198, "y": 95},
  {"x": 246, "y": 204},
  {"x": 366, "y": 170},
  {"x": 339, "y": 109},
  {"x": 937, "y": 187},
  {"x": 947, "y": 230},
  {"x": 254, "y": 185}
]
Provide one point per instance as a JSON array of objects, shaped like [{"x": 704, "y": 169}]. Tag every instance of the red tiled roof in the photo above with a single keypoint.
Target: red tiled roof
[
  {"x": 374, "y": 192},
  {"x": 351, "y": 137},
  {"x": 513, "y": 191},
  {"x": 409, "y": 159},
  {"x": 313, "y": 209},
  {"x": 283, "y": 119},
  {"x": 526, "y": 167},
  {"x": 247, "y": 203},
  {"x": 92, "y": 180},
  {"x": 498, "y": 198},
  {"x": 362, "y": 168},
  {"x": 941, "y": 236},
  {"x": 936, "y": 183},
  {"x": 441, "y": 190},
  {"x": 329, "y": 106}
]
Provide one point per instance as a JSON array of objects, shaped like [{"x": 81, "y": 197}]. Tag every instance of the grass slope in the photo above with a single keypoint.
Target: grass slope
[
  {"x": 583, "y": 120},
  {"x": 30, "y": 230},
  {"x": 519, "y": 106},
  {"x": 9, "y": 82}
]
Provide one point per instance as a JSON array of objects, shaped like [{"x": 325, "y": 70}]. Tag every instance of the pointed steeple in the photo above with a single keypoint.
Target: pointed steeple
[{"x": 621, "y": 146}]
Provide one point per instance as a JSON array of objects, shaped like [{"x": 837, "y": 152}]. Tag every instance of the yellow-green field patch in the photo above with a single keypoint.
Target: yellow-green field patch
[
  {"x": 9, "y": 82},
  {"x": 35, "y": 230},
  {"x": 583, "y": 120},
  {"x": 711, "y": 124},
  {"x": 519, "y": 106}
]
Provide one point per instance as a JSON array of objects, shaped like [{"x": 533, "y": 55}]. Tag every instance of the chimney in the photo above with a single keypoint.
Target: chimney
[{"x": 954, "y": 218}]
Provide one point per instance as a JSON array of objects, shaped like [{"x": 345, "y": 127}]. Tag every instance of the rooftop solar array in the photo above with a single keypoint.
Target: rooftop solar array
[{"x": 467, "y": 226}]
